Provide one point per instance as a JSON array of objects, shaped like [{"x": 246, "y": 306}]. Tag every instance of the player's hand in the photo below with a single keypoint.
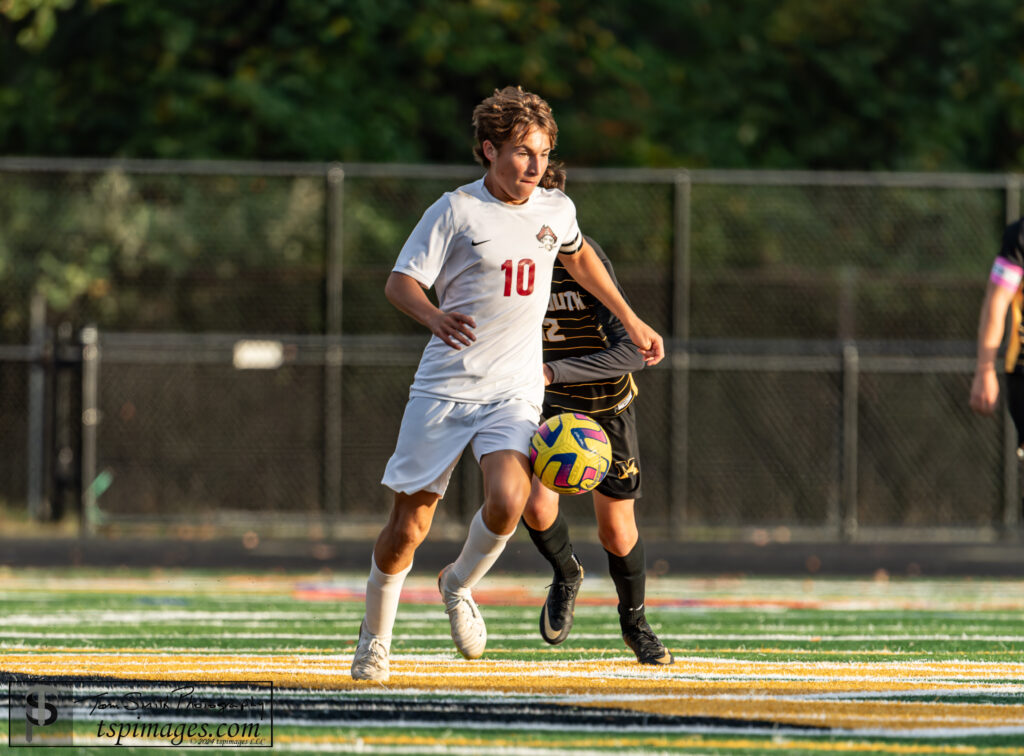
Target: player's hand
[
  {"x": 648, "y": 341},
  {"x": 549, "y": 375},
  {"x": 453, "y": 328},
  {"x": 984, "y": 391}
]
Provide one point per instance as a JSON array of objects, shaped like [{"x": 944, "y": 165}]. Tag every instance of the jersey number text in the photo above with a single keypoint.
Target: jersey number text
[
  {"x": 551, "y": 330},
  {"x": 524, "y": 277}
]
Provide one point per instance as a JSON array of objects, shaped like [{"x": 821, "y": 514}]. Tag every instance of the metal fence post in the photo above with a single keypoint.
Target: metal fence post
[
  {"x": 335, "y": 191},
  {"x": 848, "y": 497},
  {"x": 90, "y": 421},
  {"x": 37, "y": 407},
  {"x": 680, "y": 363},
  {"x": 844, "y": 504}
]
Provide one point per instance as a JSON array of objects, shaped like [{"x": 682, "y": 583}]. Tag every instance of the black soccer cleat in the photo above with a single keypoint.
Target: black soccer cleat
[
  {"x": 556, "y": 615},
  {"x": 645, "y": 644}
]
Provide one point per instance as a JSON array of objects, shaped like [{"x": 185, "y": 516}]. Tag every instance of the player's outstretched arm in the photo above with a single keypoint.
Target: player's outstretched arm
[
  {"x": 985, "y": 386},
  {"x": 407, "y": 294},
  {"x": 586, "y": 267}
]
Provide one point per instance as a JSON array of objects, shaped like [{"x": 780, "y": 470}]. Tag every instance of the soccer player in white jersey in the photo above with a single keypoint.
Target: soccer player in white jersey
[{"x": 487, "y": 249}]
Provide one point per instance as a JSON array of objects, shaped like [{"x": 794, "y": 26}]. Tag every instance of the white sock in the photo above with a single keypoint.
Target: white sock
[
  {"x": 382, "y": 594},
  {"x": 479, "y": 553}
]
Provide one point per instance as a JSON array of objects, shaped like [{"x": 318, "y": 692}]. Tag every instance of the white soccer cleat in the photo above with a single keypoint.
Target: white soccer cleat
[
  {"x": 371, "y": 660},
  {"x": 468, "y": 629}
]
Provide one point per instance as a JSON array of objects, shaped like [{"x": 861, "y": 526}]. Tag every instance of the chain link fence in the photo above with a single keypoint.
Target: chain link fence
[{"x": 820, "y": 329}]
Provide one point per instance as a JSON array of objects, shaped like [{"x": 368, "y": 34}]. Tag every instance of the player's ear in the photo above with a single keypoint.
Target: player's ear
[{"x": 490, "y": 151}]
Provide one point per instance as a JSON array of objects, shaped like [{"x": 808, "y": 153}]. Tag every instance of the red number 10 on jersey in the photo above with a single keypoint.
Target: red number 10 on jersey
[{"x": 525, "y": 271}]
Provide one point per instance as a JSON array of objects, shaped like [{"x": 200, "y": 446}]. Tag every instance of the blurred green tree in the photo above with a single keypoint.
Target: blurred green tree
[{"x": 847, "y": 84}]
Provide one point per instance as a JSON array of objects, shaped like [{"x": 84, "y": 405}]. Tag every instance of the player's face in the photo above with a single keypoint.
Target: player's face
[{"x": 516, "y": 169}]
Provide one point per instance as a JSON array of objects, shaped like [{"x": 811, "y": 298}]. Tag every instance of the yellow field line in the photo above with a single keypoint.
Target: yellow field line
[
  {"x": 431, "y": 666},
  {"x": 692, "y": 687},
  {"x": 522, "y": 673}
]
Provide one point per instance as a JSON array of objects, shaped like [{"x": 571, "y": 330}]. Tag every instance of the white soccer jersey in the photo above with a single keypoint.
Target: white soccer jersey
[{"x": 492, "y": 261}]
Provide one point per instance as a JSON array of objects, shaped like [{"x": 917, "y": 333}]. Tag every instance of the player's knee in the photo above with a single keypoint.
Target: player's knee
[
  {"x": 408, "y": 529},
  {"x": 501, "y": 514},
  {"x": 510, "y": 495},
  {"x": 408, "y": 536},
  {"x": 540, "y": 515},
  {"x": 618, "y": 541},
  {"x": 504, "y": 509}
]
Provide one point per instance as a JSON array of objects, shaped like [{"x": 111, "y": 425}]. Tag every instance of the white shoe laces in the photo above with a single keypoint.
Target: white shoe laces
[{"x": 377, "y": 651}]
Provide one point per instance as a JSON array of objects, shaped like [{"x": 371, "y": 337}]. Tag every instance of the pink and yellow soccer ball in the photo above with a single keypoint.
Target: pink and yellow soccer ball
[{"x": 570, "y": 453}]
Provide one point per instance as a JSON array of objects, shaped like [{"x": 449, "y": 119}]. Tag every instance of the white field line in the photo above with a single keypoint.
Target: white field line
[
  {"x": 342, "y": 670},
  {"x": 1006, "y": 691},
  {"x": 939, "y": 733},
  {"x": 339, "y": 667},
  {"x": 999, "y": 690},
  {"x": 354, "y": 605},
  {"x": 445, "y": 637},
  {"x": 915, "y": 666},
  {"x": 825, "y": 637},
  {"x": 159, "y": 616},
  {"x": 358, "y": 746}
]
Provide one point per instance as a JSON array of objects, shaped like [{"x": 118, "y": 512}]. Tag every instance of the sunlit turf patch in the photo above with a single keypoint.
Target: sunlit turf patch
[{"x": 881, "y": 667}]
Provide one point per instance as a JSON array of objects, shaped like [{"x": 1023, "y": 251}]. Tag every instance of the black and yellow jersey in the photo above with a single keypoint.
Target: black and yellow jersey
[
  {"x": 587, "y": 349},
  {"x": 1012, "y": 250}
]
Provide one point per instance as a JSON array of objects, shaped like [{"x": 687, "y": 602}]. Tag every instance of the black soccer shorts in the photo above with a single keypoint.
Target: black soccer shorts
[
  {"x": 1015, "y": 402},
  {"x": 623, "y": 479}
]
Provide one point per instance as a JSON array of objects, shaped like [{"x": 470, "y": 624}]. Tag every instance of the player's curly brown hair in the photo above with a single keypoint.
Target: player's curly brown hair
[
  {"x": 554, "y": 176},
  {"x": 508, "y": 116}
]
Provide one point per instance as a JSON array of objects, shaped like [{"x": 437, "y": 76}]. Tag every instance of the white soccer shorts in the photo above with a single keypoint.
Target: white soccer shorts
[{"x": 434, "y": 433}]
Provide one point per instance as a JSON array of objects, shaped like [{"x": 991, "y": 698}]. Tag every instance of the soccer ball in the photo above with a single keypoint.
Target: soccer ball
[{"x": 570, "y": 453}]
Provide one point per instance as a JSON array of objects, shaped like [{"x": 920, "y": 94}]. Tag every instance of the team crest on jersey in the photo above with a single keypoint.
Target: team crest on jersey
[{"x": 547, "y": 238}]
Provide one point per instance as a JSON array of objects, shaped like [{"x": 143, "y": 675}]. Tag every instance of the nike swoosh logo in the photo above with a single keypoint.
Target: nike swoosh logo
[
  {"x": 549, "y": 632},
  {"x": 476, "y": 243}
]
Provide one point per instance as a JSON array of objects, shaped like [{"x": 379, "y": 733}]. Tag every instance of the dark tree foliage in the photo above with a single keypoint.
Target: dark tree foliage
[{"x": 844, "y": 84}]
